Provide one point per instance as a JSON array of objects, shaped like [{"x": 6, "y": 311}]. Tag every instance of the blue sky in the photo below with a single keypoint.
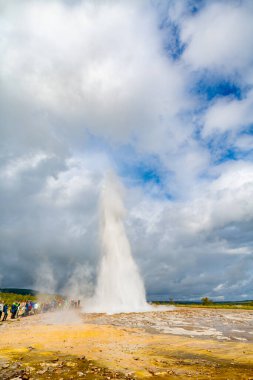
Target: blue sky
[{"x": 160, "y": 92}]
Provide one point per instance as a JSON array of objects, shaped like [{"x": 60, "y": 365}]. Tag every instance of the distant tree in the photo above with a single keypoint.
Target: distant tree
[
  {"x": 171, "y": 301},
  {"x": 206, "y": 301}
]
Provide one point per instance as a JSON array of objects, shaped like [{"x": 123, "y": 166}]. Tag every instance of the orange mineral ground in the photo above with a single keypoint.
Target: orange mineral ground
[{"x": 178, "y": 344}]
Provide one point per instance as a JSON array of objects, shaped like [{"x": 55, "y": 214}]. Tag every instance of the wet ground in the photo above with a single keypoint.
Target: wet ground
[
  {"x": 177, "y": 344},
  {"x": 220, "y": 324}
]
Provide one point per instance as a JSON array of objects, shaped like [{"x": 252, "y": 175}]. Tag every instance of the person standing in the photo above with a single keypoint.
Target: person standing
[
  {"x": 5, "y": 310},
  {"x": 26, "y": 308},
  {"x": 1, "y": 309},
  {"x": 35, "y": 307},
  {"x": 17, "y": 309},
  {"x": 13, "y": 310}
]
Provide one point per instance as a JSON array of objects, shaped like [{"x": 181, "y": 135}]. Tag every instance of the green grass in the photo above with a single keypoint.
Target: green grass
[
  {"x": 242, "y": 305},
  {"x": 219, "y": 306},
  {"x": 9, "y": 298}
]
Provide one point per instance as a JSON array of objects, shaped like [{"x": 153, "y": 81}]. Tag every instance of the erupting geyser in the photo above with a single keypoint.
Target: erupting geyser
[{"x": 119, "y": 284}]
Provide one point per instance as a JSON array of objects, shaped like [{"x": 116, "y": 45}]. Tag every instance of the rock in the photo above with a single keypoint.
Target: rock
[
  {"x": 25, "y": 376},
  {"x": 161, "y": 373},
  {"x": 42, "y": 372},
  {"x": 14, "y": 366},
  {"x": 51, "y": 365},
  {"x": 50, "y": 369},
  {"x": 80, "y": 373},
  {"x": 29, "y": 369},
  {"x": 6, "y": 365}
]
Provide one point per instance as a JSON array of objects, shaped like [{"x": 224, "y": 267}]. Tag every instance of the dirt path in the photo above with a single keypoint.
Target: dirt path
[{"x": 105, "y": 351}]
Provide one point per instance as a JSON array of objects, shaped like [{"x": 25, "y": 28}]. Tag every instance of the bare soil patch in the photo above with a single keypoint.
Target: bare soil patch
[{"x": 125, "y": 346}]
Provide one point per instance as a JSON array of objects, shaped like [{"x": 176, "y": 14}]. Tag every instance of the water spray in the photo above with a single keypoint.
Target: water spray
[{"x": 120, "y": 287}]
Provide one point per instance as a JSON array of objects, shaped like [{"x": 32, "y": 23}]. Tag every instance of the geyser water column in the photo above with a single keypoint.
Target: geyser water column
[{"x": 119, "y": 285}]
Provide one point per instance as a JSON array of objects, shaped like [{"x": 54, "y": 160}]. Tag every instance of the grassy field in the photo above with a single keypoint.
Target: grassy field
[
  {"x": 9, "y": 298},
  {"x": 247, "y": 305}
]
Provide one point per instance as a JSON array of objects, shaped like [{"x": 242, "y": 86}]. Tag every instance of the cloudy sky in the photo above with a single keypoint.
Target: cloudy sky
[{"x": 159, "y": 91}]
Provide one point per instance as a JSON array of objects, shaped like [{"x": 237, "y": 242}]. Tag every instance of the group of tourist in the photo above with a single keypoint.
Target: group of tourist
[
  {"x": 24, "y": 309},
  {"x": 17, "y": 309}
]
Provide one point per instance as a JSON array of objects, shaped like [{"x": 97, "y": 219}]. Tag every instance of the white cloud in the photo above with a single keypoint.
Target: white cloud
[
  {"x": 212, "y": 206},
  {"x": 96, "y": 65},
  {"x": 220, "y": 36},
  {"x": 218, "y": 288},
  {"x": 225, "y": 200},
  {"x": 228, "y": 115},
  {"x": 21, "y": 164},
  {"x": 78, "y": 181},
  {"x": 244, "y": 142}
]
